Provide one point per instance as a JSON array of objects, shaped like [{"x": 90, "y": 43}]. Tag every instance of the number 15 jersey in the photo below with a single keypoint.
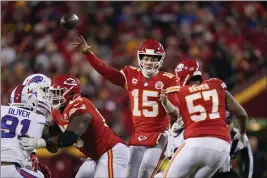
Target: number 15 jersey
[
  {"x": 203, "y": 109},
  {"x": 148, "y": 114},
  {"x": 17, "y": 122}
]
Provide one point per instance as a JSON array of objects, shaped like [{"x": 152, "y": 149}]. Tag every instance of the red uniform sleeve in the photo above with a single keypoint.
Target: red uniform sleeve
[
  {"x": 127, "y": 73},
  {"x": 58, "y": 118},
  {"x": 219, "y": 82},
  {"x": 74, "y": 108},
  {"x": 172, "y": 83},
  {"x": 173, "y": 99},
  {"x": 114, "y": 76}
]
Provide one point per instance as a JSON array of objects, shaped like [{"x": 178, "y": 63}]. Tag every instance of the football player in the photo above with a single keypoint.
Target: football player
[
  {"x": 85, "y": 128},
  {"x": 40, "y": 83},
  {"x": 202, "y": 105},
  {"x": 23, "y": 118},
  {"x": 144, "y": 84}
]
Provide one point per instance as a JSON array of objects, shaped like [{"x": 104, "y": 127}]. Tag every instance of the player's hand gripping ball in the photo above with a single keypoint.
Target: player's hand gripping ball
[{"x": 69, "y": 21}]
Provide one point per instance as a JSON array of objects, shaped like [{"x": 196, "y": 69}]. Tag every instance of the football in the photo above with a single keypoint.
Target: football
[{"x": 69, "y": 21}]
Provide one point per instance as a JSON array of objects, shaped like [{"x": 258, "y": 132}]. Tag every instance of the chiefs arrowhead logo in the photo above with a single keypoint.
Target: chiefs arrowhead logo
[
  {"x": 70, "y": 81},
  {"x": 140, "y": 138}
]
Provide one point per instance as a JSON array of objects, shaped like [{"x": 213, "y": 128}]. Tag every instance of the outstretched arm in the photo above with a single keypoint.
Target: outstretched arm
[
  {"x": 235, "y": 108},
  {"x": 114, "y": 76}
]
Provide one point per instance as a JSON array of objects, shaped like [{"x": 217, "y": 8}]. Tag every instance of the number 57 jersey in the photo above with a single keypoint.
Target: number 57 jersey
[
  {"x": 148, "y": 113},
  {"x": 203, "y": 109},
  {"x": 16, "y": 122}
]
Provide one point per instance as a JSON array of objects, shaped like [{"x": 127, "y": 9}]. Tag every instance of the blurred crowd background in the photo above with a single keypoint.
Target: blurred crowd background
[{"x": 229, "y": 39}]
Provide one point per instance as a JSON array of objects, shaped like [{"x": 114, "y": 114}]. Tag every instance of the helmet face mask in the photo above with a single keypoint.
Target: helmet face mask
[
  {"x": 56, "y": 95},
  {"x": 149, "y": 65},
  {"x": 63, "y": 89},
  {"x": 154, "y": 50}
]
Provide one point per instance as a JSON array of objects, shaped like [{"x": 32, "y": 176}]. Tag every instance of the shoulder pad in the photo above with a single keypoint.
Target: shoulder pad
[
  {"x": 167, "y": 74},
  {"x": 134, "y": 68},
  {"x": 222, "y": 84},
  {"x": 74, "y": 106}
]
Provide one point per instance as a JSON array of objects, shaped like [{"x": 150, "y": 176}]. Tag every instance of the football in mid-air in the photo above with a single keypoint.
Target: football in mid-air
[{"x": 69, "y": 21}]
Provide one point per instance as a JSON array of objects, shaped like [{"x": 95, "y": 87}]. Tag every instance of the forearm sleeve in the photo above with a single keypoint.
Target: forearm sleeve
[
  {"x": 114, "y": 76},
  {"x": 172, "y": 97}
]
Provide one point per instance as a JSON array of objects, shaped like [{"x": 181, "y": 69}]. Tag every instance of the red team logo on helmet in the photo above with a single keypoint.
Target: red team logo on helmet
[
  {"x": 31, "y": 92},
  {"x": 70, "y": 81}
]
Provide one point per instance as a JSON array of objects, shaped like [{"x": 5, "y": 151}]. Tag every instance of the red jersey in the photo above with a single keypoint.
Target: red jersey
[
  {"x": 203, "y": 109},
  {"x": 148, "y": 113},
  {"x": 98, "y": 138}
]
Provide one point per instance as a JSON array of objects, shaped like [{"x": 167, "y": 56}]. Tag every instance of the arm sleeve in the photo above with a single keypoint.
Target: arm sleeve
[
  {"x": 114, "y": 76},
  {"x": 221, "y": 83},
  {"x": 172, "y": 83},
  {"x": 173, "y": 99}
]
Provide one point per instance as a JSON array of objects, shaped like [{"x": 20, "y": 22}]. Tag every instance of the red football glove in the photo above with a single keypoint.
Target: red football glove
[
  {"x": 35, "y": 161},
  {"x": 45, "y": 170}
]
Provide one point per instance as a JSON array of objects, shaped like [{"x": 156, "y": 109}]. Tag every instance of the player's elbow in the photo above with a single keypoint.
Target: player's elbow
[
  {"x": 244, "y": 115},
  {"x": 234, "y": 107},
  {"x": 241, "y": 114}
]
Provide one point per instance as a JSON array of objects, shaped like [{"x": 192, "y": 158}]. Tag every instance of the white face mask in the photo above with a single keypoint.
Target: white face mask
[
  {"x": 56, "y": 96},
  {"x": 149, "y": 66}
]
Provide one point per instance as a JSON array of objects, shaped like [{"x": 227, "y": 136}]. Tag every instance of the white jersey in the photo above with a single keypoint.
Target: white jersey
[
  {"x": 17, "y": 122},
  {"x": 175, "y": 139}
]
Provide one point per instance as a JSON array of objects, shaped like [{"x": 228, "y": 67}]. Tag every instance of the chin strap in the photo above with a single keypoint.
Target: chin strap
[{"x": 146, "y": 74}]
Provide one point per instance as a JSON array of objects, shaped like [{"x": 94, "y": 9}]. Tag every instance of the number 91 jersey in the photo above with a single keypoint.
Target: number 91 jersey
[
  {"x": 16, "y": 122},
  {"x": 148, "y": 113},
  {"x": 203, "y": 109}
]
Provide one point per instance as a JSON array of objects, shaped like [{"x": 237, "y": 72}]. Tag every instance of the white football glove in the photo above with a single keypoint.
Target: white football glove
[
  {"x": 32, "y": 143},
  {"x": 177, "y": 125},
  {"x": 243, "y": 141}
]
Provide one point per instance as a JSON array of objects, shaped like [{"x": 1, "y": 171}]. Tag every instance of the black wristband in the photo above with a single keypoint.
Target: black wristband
[
  {"x": 50, "y": 146},
  {"x": 68, "y": 138}
]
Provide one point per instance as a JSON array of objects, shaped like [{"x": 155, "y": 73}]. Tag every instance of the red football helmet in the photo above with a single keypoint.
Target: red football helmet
[
  {"x": 186, "y": 69},
  {"x": 63, "y": 89},
  {"x": 151, "y": 48}
]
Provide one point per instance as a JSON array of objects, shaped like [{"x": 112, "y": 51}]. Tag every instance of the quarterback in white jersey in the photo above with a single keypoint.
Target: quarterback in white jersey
[{"x": 21, "y": 118}]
